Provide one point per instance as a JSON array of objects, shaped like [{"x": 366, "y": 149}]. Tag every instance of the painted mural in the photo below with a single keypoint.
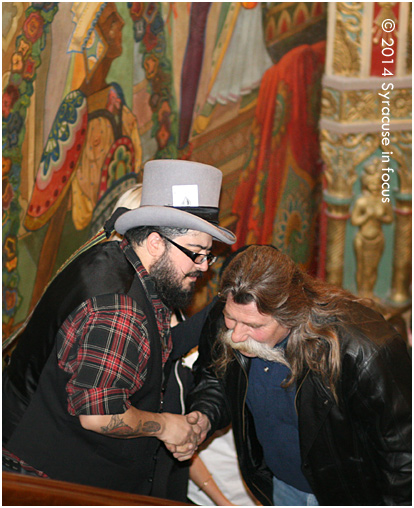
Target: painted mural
[{"x": 93, "y": 90}]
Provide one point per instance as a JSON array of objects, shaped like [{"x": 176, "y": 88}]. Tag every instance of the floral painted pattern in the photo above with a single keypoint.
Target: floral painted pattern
[
  {"x": 293, "y": 225},
  {"x": 119, "y": 162},
  {"x": 10, "y": 96},
  {"x": 33, "y": 26},
  {"x": 120, "y": 166},
  {"x": 149, "y": 31},
  {"x": 7, "y": 194},
  {"x": 15, "y": 101},
  {"x": 59, "y": 159}
]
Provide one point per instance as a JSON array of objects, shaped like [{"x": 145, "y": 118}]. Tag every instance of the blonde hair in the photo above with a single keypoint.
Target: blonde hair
[{"x": 129, "y": 199}]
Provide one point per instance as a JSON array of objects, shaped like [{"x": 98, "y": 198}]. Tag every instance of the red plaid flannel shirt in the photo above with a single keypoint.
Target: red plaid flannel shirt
[{"x": 104, "y": 345}]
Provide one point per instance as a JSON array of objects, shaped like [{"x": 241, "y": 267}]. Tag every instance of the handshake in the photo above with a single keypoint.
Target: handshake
[{"x": 183, "y": 433}]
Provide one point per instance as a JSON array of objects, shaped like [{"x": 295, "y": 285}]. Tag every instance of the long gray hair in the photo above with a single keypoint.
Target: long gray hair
[{"x": 307, "y": 306}]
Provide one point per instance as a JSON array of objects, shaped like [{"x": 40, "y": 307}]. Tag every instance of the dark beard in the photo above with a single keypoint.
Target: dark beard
[{"x": 168, "y": 286}]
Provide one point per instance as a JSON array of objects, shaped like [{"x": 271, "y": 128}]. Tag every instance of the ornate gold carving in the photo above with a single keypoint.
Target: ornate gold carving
[
  {"x": 329, "y": 104},
  {"x": 352, "y": 13},
  {"x": 405, "y": 178},
  {"x": 401, "y": 143},
  {"x": 340, "y": 181},
  {"x": 340, "y": 176},
  {"x": 401, "y": 270},
  {"x": 346, "y": 61},
  {"x": 401, "y": 147},
  {"x": 401, "y": 103},
  {"x": 369, "y": 213},
  {"x": 359, "y": 105},
  {"x": 336, "y": 226},
  {"x": 347, "y": 58},
  {"x": 355, "y": 105},
  {"x": 386, "y": 12},
  {"x": 341, "y": 154},
  {"x": 338, "y": 162}
]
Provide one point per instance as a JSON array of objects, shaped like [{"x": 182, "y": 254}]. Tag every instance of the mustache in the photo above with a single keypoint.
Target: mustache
[
  {"x": 252, "y": 347},
  {"x": 197, "y": 274}
]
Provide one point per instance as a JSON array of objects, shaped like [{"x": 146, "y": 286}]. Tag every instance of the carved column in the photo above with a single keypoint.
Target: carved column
[
  {"x": 340, "y": 176},
  {"x": 401, "y": 277},
  {"x": 402, "y": 256},
  {"x": 353, "y": 124},
  {"x": 337, "y": 214}
]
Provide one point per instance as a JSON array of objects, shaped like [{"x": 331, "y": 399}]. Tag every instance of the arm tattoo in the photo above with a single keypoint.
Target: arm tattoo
[{"x": 118, "y": 428}]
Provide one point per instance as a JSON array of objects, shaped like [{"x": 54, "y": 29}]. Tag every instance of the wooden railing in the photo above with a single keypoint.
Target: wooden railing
[{"x": 20, "y": 490}]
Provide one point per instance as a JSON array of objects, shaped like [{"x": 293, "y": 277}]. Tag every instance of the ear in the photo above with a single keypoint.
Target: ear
[{"x": 155, "y": 245}]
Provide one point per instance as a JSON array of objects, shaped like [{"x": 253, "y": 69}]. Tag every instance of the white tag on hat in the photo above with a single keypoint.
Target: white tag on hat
[{"x": 185, "y": 195}]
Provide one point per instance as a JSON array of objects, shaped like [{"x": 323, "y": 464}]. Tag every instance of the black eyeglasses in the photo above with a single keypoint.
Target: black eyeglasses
[{"x": 196, "y": 257}]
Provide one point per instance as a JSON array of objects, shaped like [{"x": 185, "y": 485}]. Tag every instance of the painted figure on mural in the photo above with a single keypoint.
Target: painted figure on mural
[
  {"x": 93, "y": 142},
  {"x": 369, "y": 214}
]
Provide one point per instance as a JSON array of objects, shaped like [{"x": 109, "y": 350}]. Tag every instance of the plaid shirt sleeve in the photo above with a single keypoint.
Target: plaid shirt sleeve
[{"x": 104, "y": 346}]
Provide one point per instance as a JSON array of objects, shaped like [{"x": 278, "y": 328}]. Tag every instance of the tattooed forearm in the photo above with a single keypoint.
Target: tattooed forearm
[
  {"x": 118, "y": 428},
  {"x": 151, "y": 427}
]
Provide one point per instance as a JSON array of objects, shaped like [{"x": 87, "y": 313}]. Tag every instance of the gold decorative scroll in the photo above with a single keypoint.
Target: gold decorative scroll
[{"x": 347, "y": 42}]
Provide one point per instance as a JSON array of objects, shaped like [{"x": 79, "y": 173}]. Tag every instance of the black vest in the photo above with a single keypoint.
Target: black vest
[
  {"x": 102, "y": 269},
  {"x": 47, "y": 437}
]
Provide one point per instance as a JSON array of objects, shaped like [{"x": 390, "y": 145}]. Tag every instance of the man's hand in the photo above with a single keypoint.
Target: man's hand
[
  {"x": 173, "y": 429},
  {"x": 178, "y": 431},
  {"x": 200, "y": 419},
  {"x": 186, "y": 451}
]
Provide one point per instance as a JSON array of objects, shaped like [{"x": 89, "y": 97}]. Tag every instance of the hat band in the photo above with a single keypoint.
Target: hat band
[{"x": 208, "y": 213}]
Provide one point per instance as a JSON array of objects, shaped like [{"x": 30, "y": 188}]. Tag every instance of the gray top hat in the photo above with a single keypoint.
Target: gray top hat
[{"x": 182, "y": 194}]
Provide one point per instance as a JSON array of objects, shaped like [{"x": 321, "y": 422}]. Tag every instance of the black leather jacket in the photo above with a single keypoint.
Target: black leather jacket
[{"x": 357, "y": 452}]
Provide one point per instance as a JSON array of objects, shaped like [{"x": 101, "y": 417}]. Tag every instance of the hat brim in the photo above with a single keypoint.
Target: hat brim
[{"x": 149, "y": 215}]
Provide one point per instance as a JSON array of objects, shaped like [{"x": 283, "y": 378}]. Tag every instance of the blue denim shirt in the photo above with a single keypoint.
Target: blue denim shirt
[{"x": 276, "y": 421}]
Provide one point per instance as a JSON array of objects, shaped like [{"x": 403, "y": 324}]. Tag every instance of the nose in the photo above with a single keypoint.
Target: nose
[
  {"x": 239, "y": 333},
  {"x": 204, "y": 266}
]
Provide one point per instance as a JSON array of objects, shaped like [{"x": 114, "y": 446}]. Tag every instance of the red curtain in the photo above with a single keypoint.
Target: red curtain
[{"x": 285, "y": 126}]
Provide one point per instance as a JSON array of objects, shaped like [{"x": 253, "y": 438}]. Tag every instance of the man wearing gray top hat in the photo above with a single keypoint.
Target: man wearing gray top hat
[{"x": 82, "y": 394}]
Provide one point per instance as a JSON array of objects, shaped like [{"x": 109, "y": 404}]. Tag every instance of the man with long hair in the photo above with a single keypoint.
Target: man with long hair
[{"x": 317, "y": 386}]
